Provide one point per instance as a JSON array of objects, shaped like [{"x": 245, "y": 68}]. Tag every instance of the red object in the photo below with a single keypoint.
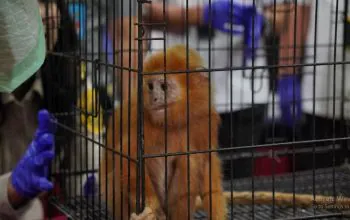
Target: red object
[
  {"x": 267, "y": 166},
  {"x": 54, "y": 213}
]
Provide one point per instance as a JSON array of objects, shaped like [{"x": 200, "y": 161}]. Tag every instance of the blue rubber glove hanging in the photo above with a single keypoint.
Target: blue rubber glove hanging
[
  {"x": 236, "y": 19},
  {"x": 289, "y": 91},
  {"x": 29, "y": 178}
]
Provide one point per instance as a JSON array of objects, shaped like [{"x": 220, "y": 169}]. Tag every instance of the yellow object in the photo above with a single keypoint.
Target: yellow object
[
  {"x": 82, "y": 70},
  {"x": 110, "y": 90},
  {"x": 92, "y": 119}
]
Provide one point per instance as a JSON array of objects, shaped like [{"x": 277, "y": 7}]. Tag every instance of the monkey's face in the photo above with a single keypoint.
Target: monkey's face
[{"x": 161, "y": 94}]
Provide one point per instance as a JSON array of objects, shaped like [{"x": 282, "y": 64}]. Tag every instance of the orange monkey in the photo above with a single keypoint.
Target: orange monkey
[{"x": 168, "y": 96}]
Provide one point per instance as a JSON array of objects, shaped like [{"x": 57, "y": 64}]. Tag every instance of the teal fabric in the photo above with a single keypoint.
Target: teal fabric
[{"x": 22, "y": 42}]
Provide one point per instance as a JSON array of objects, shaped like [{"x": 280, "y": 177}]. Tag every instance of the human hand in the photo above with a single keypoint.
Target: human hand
[
  {"x": 289, "y": 91},
  {"x": 29, "y": 178},
  {"x": 236, "y": 19}
]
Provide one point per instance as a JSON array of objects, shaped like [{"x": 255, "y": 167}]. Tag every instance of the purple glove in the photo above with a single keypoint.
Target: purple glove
[
  {"x": 224, "y": 14},
  {"x": 290, "y": 95},
  {"x": 29, "y": 178},
  {"x": 90, "y": 186}
]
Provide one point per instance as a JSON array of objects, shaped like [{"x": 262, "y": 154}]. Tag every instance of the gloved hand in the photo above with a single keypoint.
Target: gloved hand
[
  {"x": 224, "y": 14},
  {"x": 289, "y": 91},
  {"x": 29, "y": 178}
]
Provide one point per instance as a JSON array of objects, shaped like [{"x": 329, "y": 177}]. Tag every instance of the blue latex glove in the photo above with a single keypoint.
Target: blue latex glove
[
  {"x": 29, "y": 178},
  {"x": 107, "y": 45},
  {"x": 224, "y": 14},
  {"x": 289, "y": 91},
  {"x": 90, "y": 186}
]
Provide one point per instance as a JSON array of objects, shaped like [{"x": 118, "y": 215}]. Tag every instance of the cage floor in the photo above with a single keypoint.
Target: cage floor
[{"x": 302, "y": 182}]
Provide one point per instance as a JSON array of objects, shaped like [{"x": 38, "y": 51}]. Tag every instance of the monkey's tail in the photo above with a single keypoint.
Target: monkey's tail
[{"x": 281, "y": 199}]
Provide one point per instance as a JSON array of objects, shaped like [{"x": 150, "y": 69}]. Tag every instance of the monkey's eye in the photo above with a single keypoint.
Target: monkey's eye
[
  {"x": 150, "y": 86},
  {"x": 164, "y": 86}
]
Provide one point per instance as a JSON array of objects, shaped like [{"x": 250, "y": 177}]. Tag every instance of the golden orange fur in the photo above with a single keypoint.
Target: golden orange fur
[{"x": 154, "y": 143}]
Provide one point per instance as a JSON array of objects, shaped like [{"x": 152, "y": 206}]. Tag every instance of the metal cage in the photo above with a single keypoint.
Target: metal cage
[{"x": 258, "y": 152}]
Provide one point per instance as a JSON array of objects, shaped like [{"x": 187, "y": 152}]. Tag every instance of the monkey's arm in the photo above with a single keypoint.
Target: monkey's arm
[
  {"x": 118, "y": 168},
  {"x": 110, "y": 165},
  {"x": 112, "y": 143},
  {"x": 156, "y": 172}
]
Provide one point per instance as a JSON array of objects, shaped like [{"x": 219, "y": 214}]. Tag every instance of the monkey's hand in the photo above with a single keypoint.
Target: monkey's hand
[
  {"x": 29, "y": 178},
  {"x": 236, "y": 19},
  {"x": 289, "y": 91},
  {"x": 147, "y": 214}
]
